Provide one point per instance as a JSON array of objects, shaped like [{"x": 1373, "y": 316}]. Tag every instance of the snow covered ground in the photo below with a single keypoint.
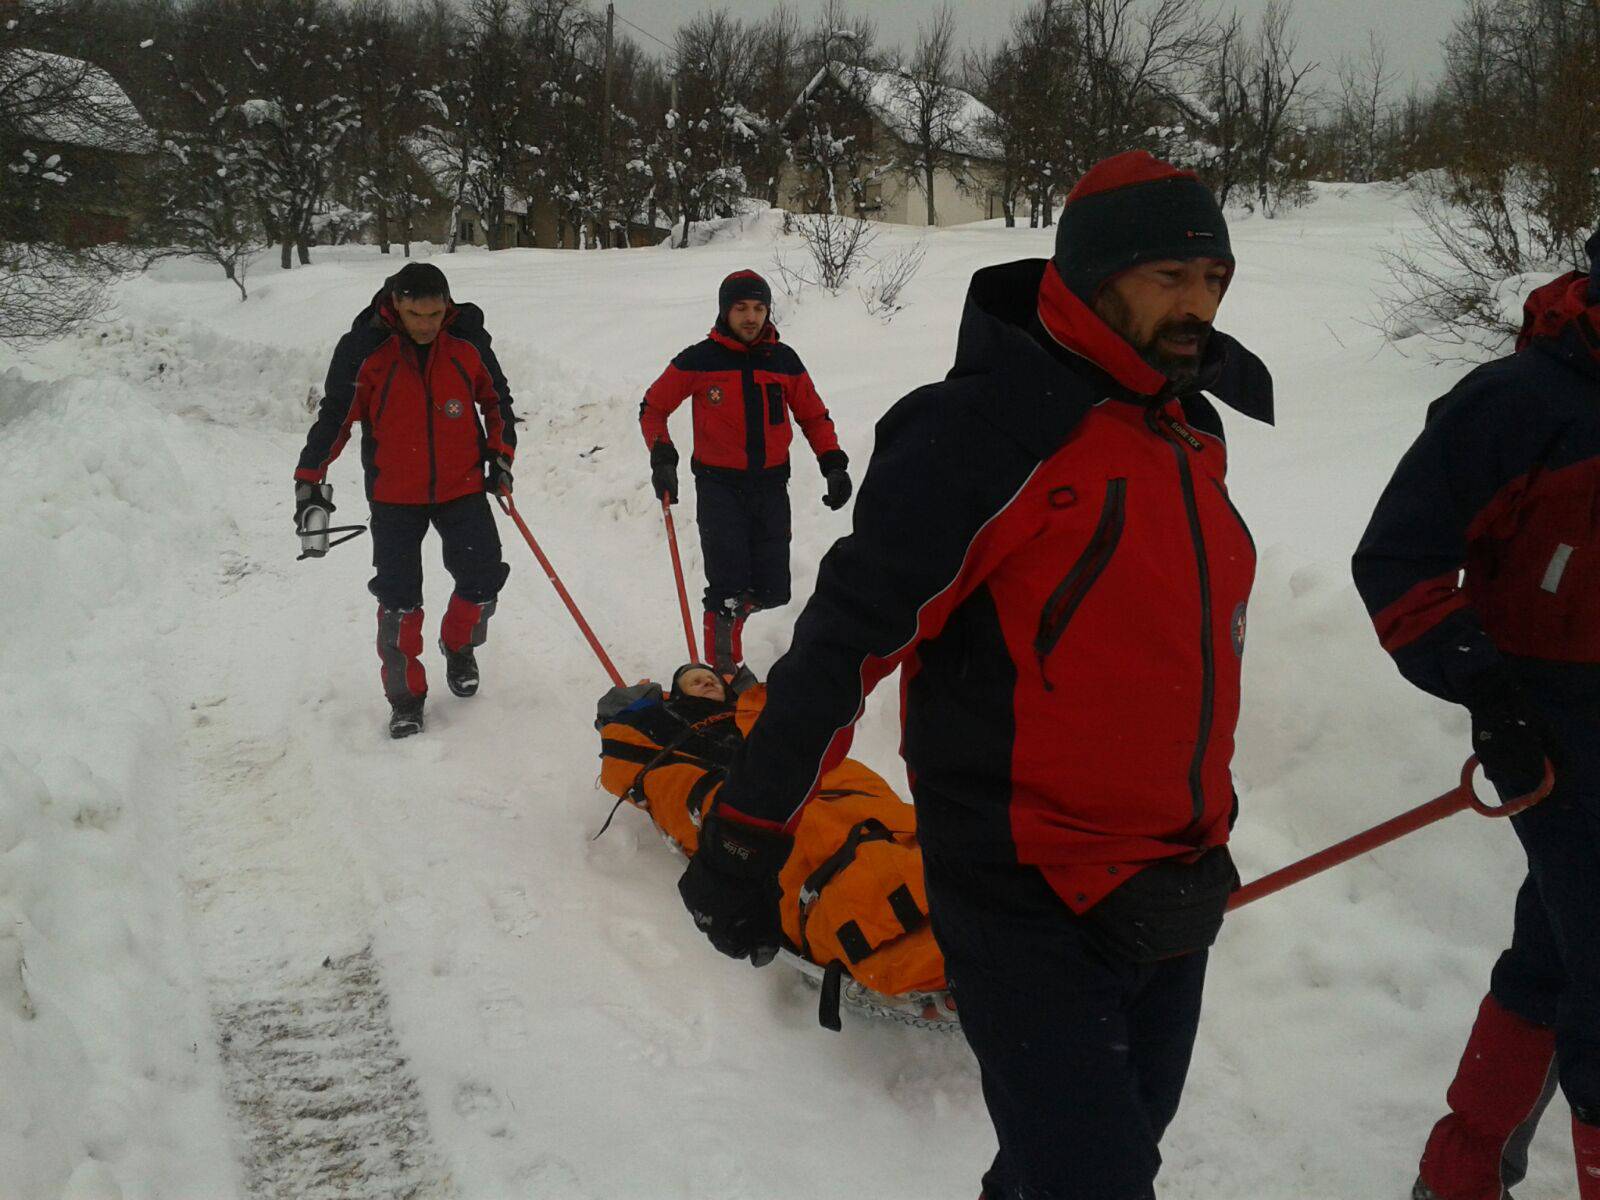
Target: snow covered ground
[{"x": 250, "y": 947}]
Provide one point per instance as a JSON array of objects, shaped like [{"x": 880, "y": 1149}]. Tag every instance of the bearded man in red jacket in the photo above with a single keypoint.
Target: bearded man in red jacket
[
  {"x": 1045, "y": 547},
  {"x": 746, "y": 386},
  {"x": 418, "y": 372}
]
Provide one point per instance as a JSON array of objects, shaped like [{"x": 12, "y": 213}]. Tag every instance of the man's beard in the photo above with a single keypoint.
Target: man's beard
[{"x": 1181, "y": 369}]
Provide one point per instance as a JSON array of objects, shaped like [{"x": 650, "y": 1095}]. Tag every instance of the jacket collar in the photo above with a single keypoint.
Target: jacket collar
[
  {"x": 723, "y": 335},
  {"x": 1076, "y": 361},
  {"x": 381, "y": 314},
  {"x": 1077, "y": 328}
]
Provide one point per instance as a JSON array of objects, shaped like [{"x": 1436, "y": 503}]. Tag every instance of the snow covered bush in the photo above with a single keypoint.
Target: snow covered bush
[
  {"x": 834, "y": 249},
  {"x": 887, "y": 280}
]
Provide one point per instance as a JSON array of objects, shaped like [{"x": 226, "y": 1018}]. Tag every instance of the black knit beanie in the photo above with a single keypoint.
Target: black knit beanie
[
  {"x": 1131, "y": 209},
  {"x": 742, "y": 285}
]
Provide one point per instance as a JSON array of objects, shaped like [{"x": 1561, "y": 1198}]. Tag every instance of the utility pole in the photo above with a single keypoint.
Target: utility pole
[
  {"x": 673, "y": 165},
  {"x": 605, "y": 141}
]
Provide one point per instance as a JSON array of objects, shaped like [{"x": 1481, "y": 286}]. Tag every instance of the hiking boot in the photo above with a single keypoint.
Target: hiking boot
[
  {"x": 460, "y": 670},
  {"x": 405, "y": 717}
]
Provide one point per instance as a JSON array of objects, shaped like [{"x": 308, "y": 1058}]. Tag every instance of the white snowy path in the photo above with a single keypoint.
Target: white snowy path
[{"x": 209, "y": 849}]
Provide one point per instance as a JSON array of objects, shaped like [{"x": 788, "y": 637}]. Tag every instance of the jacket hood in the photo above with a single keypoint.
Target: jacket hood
[
  {"x": 1563, "y": 317},
  {"x": 1012, "y": 312}
]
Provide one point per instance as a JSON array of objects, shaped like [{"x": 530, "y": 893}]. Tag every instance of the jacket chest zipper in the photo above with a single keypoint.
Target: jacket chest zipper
[
  {"x": 1208, "y": 666},
  {"x": 383, "y": 396},
  {"x": 755, "y": 428},
  {"x": 427, "y": 398},
  {"x": 1070, "y": 592}
]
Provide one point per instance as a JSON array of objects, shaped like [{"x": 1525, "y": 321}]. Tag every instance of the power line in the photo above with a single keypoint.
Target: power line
[{"x": 646, "y": 33}]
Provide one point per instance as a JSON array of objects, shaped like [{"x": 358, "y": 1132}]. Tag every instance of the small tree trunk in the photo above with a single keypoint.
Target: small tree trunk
[
  {"x": 383, "y": 228},
  {"x": 284, "y": 258},
  {"x": 927, "y": 179}
]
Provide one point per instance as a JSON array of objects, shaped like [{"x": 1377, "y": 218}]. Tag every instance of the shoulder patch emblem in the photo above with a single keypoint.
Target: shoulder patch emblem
[
  {"x": 714, "y": 396},
  {"x": 454, "y": 408},
  {"x": 1238, "y": 626}
]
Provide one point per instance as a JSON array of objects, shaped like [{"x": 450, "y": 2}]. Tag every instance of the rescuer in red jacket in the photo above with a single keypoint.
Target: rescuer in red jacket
[
  {"x": 417, "y": 371},
  {"x": 1044, "y": 547},
  {"x": 746, "y": 386}
]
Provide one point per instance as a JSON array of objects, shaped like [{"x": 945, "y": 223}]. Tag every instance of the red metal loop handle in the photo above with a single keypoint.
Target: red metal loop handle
[
  {"x": 1508, "y": 808},
  {"x": 1455, "y": 800}
]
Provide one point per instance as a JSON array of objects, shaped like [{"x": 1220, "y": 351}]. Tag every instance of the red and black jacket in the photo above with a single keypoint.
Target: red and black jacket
[
  {"x": 1048, "y": 552},
  {"x": 422, "y": 441},
  {"x": 743, "y": 398},
  {"x": 1486, "y": 543}
]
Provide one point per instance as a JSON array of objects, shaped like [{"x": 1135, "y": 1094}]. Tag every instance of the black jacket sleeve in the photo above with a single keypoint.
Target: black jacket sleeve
[
  {"x": 338, "y": 411},
  {"x": 472, "y": 329},
  {"x": 937, "y": 475},
  {"x": 1479, "y": 442}
]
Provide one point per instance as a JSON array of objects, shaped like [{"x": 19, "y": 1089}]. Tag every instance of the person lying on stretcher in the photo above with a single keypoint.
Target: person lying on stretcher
[{"x": 851, "y": 895}]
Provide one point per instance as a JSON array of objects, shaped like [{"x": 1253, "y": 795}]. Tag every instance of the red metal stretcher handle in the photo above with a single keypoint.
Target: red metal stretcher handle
[
  {"x": 1458, "y": 798},
  {"x": 1516, "y": 804}
]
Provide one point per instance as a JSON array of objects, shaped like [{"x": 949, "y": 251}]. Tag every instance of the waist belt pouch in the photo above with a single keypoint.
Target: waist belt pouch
[{"x": 1168, "y": 909}]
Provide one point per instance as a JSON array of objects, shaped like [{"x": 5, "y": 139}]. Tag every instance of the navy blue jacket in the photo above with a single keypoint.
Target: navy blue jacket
[{"x": 1485, "y": 545}]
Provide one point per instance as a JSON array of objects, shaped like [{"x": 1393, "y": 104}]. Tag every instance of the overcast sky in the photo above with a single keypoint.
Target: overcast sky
[{"x": 1411, "y": 30}]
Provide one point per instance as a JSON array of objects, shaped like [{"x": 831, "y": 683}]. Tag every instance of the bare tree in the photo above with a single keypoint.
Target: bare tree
[
  {"x": 715, "y": 128},
  {"x": 930, "y": 110},
  {"x": 1364, "y": 109},
  {"x": 996, "y": 78},
  {"x": 831, "y": 141},
  {"x": 1132, "y": 55},
  {"x": 777, "y": 67},
  {"x": 205, "y": 188},
  {"x": 386, "y": 87},
  {"x": 495, "y": 91},
  {"x": 1516, "y": 192},
  {"x": 1273, "y": 84}
]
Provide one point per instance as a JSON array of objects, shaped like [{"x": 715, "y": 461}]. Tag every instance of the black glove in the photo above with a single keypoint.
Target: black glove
[
  {"x": 1509, "y": 736},
  {"x": 664, "y": 471},
  {"x": 835, "y": 469},
  {"x": 500, "y": 475},
  {"x": 731, "y": 888},
  {"x": 310, "y": 495}
]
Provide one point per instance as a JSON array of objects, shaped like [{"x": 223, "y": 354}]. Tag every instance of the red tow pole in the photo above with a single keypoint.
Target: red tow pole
[
  {"x": 555, "y": 581},
  {"x": 677, "y": 570},
  {"x": 1455, "y": 800}
]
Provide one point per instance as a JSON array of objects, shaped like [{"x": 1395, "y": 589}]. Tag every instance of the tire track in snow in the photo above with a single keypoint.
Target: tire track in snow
[
  {"x": 324, "y": 1099},
  {"x": 329, "y": 1107}
]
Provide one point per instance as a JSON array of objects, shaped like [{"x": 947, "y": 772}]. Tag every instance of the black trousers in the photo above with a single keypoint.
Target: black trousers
[
  {"x": 1550, "y": 975},
  {"x": 744, "y": 536},
  {"x": 1082, "y": 1058},
  {"x": 470, "y": 540}
]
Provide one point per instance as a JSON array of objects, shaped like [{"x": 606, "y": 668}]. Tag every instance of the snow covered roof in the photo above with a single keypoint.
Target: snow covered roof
[
  {"x": 99, "y": 117},
  {"x": 884, "y": 93}
]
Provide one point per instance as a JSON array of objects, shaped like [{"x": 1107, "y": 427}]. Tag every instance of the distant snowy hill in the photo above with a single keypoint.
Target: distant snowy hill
[{"x": 251, "y": 947}]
